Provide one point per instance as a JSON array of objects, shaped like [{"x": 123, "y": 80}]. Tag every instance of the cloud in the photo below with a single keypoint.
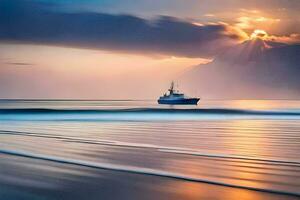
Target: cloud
[
  {"x": 209, "y": 15},
  {"x": 288, "y": 39},
  {"x": 33, "y": 22},
  {"x": 251, "y": 23},
  {"x": 19, "y": 63},
  {"x": 252, "y": 70}
]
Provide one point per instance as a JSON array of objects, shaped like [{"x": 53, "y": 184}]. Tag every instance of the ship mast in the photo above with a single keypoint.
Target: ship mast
[{"x": 171, "y": 90}]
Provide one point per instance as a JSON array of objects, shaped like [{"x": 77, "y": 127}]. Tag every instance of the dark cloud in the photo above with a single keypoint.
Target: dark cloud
[
  {"x": 19, "y": 63},
  {"x": 29, "y": 21}
]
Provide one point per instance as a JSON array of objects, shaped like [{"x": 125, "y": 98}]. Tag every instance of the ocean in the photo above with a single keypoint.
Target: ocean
[{"x": 127, "y": 149}]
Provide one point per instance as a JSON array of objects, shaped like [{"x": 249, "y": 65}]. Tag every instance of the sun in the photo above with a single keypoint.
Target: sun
[{"x": 259, "y": 34}]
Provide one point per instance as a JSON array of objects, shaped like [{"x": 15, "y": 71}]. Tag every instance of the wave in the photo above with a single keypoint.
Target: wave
[
  {"x": 139, "y": 114},
  {"x": 139, "y": 170},
  {"x": 145, "y": 110}
]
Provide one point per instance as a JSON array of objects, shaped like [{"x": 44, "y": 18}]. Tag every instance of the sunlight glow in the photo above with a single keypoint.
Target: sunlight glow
[{"x": 261, "y": 34}]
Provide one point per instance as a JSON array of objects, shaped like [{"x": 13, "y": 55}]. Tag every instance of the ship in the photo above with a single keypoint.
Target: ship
[{"x": 174, "y": 97}]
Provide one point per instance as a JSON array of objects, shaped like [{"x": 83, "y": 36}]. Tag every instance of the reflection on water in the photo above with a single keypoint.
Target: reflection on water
[
  {"x": 248, "y": 133},
  {"x": 205, "y": 158}
]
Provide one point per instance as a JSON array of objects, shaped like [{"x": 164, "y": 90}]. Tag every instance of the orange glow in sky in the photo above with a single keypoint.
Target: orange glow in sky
[
  {"x": 261, "y": 34},
  {"x": 77, "y": 73}
]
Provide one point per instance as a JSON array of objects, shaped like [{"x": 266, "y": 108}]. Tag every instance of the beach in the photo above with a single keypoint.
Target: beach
[{"x": 139, "y": 150}]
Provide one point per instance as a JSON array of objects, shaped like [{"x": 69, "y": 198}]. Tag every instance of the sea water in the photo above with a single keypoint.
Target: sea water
[{"x": 241, "y": 149}]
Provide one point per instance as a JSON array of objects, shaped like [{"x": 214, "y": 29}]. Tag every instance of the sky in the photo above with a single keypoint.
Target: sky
[{"x": 125, "y": 49}]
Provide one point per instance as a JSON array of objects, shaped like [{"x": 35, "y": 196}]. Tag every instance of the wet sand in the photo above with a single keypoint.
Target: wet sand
[{"x": 27, "y": 178}]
